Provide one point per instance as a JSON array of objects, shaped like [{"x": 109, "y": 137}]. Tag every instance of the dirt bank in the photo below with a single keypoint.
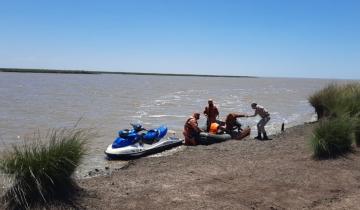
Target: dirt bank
[{"x": 248, "y": 174}]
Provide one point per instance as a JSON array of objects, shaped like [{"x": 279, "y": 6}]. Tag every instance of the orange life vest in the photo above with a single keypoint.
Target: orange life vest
[{"x": 213, "y": 128}]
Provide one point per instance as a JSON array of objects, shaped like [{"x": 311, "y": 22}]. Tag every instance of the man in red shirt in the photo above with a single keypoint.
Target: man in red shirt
[{"x": 211, "y": 112}]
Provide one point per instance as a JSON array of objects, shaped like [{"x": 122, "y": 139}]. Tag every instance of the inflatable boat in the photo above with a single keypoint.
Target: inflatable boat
[
  {"x": 208, "y": 138},
  {"x": 139, "y": 142}
]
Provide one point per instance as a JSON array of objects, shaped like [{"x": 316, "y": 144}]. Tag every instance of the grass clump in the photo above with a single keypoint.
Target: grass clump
[
  {"x": 41, "y": 171},
  {"x": 338, "y": 110},
  {"x": 336, "y": 99},
  {"x": 357, "y": 130},
  {"x": 332, "y": 137},
  {"x": 324, "y": 100}
]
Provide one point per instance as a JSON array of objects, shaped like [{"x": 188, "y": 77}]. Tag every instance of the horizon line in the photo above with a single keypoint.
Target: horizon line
[{"x": 72, "y": 71}]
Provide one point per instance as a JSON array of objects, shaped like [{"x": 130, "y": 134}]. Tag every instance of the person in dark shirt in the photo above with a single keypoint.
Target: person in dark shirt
[
  {"x": 231, "y": 122},
  {"x": 233, "y": 127}
]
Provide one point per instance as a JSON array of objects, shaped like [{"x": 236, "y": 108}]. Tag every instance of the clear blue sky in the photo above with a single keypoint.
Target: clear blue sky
[{"x": 289, "y": 38}]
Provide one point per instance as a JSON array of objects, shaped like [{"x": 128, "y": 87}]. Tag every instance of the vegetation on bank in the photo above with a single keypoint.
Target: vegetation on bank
[
  {"x": 41, "y": 171},
  {"x": 332, "y": 137},
  {"x": 338, "y": 111}
]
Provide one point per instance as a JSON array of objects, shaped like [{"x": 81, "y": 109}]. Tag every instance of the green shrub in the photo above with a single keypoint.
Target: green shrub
[
  {"x": 353, "y": 107},
  {"x": 336, "y": 99},
  {"x": 339, "y": 100},
  {"x": 324, "y": 100},
  {"x": 354, "y": 102},
  {"x": 357, "y": 130},
  {"x": 41, "y": 171},
  {"x": 332, "y": 137},
  {"x": 357, "y": 138}
]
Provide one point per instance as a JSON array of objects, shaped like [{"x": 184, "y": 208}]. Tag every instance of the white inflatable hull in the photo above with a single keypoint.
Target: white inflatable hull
[{"x": 138, "y": 150}]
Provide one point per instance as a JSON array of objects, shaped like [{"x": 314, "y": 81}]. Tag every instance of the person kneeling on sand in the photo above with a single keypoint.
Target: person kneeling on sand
[
  {"x": 265, "y": 117},
  {"x": 233, "y": 127},
  {"x": 191, "y": 130}
]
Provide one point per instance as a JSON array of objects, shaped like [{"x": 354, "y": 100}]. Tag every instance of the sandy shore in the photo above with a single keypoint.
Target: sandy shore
[{"x": 248, "y": 174}]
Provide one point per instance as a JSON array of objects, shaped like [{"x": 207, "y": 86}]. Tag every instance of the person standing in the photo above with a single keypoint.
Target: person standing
[
  {"x": 191, "y": 130},
  {"x": 265, "y": 117},
  {"x": 211, "y": 112}
]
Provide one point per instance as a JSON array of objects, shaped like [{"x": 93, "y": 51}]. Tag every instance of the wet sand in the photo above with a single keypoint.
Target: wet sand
[{"x": 247, "y": 174}]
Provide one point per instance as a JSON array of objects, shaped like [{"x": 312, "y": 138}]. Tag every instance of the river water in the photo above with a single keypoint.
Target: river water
[{"x": 107, "y": 103}]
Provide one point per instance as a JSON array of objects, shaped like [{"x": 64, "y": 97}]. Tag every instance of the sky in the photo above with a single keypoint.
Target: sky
[{"x": 270, "y": 38}]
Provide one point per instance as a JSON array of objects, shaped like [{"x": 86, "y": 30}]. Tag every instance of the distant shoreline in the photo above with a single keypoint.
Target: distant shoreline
[{"x": 57, "y": 71}]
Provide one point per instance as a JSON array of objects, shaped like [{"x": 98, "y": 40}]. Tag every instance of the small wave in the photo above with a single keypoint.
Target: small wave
[
  {"x": 165, "y": 115},
  {"x": 290, "y": 91},
  {"x": 140, "y": 115},
  {"x": 161, "y": 102},
  {"x": 313, "y": 118},
  {"x": 304, "y": 101},
  {"x": 293, "y": 117},
  {"x": 180, "y": 92},
  {"x": 145, "y": 106}
]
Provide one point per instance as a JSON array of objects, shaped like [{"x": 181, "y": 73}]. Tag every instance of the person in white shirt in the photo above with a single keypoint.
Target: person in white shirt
[{"x": 265, "y": 117}]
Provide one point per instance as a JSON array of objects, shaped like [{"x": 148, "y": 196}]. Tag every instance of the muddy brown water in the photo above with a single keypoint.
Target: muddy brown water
[{"x": 108, "y": 103}]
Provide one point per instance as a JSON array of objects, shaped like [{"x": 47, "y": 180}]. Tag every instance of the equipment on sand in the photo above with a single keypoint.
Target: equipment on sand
[{"x": 139, "y": 142}]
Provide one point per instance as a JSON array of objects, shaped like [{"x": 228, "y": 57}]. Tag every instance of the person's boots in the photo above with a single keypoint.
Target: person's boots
[
  {"x": 258, "y": 137},
  {"x": 265, "y": 136}
]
